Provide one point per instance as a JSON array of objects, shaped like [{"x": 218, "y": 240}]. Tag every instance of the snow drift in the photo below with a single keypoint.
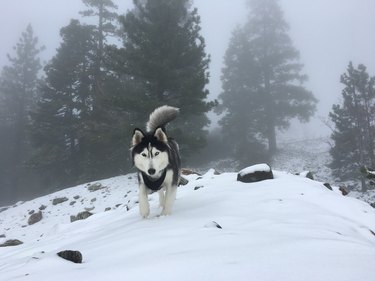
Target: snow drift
[{"x": 288, "y": 228}]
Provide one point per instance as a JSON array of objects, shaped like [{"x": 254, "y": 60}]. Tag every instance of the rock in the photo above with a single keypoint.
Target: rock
[
  {"x": 72, "y": 203},
  {"x": 183, "y": 181},
  {"x": 2, "y": 209},
  {"x": 186, "y": 172},
  {"x": 372, "y": 204},
  {"x": 213, "y": 224},
  {"x": 89, "y": 208},
  {"x": 73, "y": 256},
  {"x": 42, "y": 207},
  {"x": 107, "y": 209},
  {"x": 59, "y": 200},
  {"x": 198, "y": 187},
  {"x": 31, "y": 212},
  {"x": 255, "y": 173},
  {"x": 93, "y": 199},
  {"x": 11, "y": 242},
  {"x": 306, "y": 174},
  {"x": 34, "y": 218},
  {"x": 80, "y": 216},
  {"x": 343, "y": 190},
  {"x": 76, "y": 197},
  {"x": 2, "y": 236},
  {"x": 95, "y": 187},
  {"x": 327, "y": 185}
]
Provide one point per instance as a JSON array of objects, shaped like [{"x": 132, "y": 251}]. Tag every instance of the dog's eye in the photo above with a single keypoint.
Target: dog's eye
[
  {"x": 144, "y": 154},
  {"x": 157, "y": 153}
]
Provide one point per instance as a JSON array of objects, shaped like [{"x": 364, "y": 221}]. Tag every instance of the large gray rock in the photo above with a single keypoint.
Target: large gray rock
[
  {"x": 11, "y": 242},
  {"x": 73, "y": 256},
  {"x": 255, "y": 173},
  {"x": 59, "y": 200},
  {"x": 34, "y": 218},
  {"x": 80, "y": 216}
]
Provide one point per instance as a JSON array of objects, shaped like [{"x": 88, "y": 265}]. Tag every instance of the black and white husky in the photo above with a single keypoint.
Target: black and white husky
[{"x": 157, "y": 159}]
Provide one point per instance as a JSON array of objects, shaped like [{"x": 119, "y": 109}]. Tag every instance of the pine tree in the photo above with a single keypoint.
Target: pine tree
[
  {"x": 164, "y": 58},
  {"x": 262, "y": 80},
  {"x": 18, "y": 86},
  {"x": 59, "y": 122},
  {"x": 354, "y": 121}
]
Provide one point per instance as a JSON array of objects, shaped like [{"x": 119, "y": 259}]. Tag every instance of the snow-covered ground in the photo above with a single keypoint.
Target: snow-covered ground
[{"x": 289, "y": 228}]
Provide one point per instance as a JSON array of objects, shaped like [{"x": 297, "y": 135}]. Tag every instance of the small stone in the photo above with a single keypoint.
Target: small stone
[
  {"x": 72, "y": 203},
  {"x": 306, "y": 174},
  {"x": 31, "y": 212},
  {"x": 2, "y": 236},
  {"x": 213, "y": 224},
  {"x": 42, "y": 207},
  {"x": 107, "y": 209},
  {"x": 93, "y": 199},
  {"x": 343, "y": 190},
  {"x": 73, "y": 256},
  {"x": 198, "y": 187},
  {"x": 76, "y": 197},
  {"x": 327, "y": 185}
]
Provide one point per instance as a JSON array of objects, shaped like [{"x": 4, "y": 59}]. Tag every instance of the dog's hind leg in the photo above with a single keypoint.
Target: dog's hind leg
[
  {"x": 170, "y": 196},
  {"x": 144, "y": 206}
]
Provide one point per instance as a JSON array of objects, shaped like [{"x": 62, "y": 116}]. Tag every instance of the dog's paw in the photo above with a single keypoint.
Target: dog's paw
[
  {"x": 144, "y": 211},
  {"x": 166, "y": 212}
]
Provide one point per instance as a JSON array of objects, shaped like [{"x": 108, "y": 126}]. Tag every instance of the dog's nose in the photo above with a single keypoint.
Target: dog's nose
[{"x": 151, "y": 171}]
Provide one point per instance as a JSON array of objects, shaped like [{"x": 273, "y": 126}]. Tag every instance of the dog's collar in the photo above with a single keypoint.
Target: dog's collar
[{"x": 154, "y": 185}]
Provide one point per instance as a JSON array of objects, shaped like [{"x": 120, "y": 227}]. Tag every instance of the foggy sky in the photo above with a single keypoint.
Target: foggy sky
[{"x": 328, "y": 34}]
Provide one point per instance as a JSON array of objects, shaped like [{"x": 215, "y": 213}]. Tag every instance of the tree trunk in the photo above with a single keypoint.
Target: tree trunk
[{"x": 272, "y": 146}]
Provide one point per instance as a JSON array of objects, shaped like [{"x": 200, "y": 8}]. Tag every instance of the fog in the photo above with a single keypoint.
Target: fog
[{"x": 328, "y": 35}]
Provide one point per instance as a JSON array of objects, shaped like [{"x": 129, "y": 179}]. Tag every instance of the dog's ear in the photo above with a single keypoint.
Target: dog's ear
[
  {"x": 160, "y": 135},
  {"x": 138, "y": 135}
]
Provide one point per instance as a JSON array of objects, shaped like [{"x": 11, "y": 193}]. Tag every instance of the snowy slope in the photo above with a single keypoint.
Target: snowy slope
[{"x": 289, "y": 228}]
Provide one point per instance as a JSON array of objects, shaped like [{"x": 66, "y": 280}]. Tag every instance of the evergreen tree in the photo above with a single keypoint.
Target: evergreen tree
[
  {"x": 59, "y": 123},
  {"x": 164, "y": 58},
  {"x": 354, "y": 121},
  {"x": 262, "y": 81},
  {"x": 18, "y": 86}
]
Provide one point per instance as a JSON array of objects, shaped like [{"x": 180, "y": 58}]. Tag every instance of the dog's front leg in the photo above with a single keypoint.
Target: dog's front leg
[
  {"x": 170, "y": 196},
  {"x": 144, "y": 206}
]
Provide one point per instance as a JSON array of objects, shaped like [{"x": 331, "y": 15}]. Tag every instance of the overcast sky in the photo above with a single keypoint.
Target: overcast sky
[{"x": 328, "y": 34}]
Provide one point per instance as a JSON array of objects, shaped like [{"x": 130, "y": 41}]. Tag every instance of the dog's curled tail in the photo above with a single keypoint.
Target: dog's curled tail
[{"x": 161, "y": 116}]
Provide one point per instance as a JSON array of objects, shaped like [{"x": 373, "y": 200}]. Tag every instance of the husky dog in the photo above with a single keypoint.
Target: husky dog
[{"x": 157, "y": 159}]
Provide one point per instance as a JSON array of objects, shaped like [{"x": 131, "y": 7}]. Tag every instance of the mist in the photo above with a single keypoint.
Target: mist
[{"x": 327, "y": 34}]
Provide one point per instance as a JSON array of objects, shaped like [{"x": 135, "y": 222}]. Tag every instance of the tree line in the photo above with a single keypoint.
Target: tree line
[{"x": 71, "y": 120}]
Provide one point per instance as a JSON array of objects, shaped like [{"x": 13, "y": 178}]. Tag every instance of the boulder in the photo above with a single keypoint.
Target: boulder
[
  {"x": 80, "y": 216},
  {"x": 73, "y": 256},
  {"x": 34, "y": 218},
  {"x": 11, "y": 242},
  {"x": 255, "y": 173},
  {"x": 59, "y": 200},
  {"x": 95, "y": 187}
]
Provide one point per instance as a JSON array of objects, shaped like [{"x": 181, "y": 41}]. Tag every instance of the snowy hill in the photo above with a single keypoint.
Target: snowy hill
[{"x": 289, "y": 228}]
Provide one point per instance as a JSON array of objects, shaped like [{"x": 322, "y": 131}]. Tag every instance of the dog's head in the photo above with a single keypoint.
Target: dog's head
[{"x": 150, "y": 152}]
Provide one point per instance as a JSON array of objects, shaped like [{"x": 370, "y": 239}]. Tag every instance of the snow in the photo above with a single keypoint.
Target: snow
[
  {"x": 255, "y": 168},
  {"x": 289, "y": 228}
]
